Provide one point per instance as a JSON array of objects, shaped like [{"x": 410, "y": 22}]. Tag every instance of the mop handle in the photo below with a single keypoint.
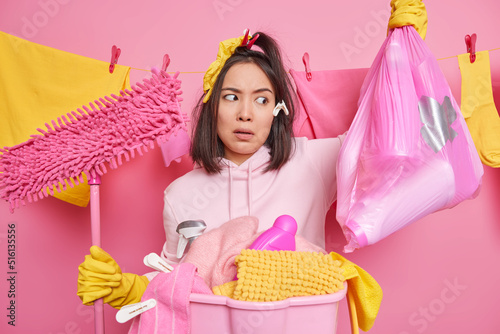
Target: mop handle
[{"x": 95, "y": 226}]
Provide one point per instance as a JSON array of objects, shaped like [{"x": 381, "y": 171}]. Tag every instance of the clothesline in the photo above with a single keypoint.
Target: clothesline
[
  {"x": 457, "y": 56},
  {"x": 201, "y": 72},
  {"x": 142, "y": 69}
]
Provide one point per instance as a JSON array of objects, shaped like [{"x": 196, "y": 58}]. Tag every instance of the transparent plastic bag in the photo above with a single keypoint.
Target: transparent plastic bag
[{"x": 408, "y": 152}]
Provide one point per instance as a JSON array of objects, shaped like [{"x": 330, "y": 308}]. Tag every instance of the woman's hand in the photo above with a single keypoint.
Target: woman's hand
[{"x": 99, "y": 276}]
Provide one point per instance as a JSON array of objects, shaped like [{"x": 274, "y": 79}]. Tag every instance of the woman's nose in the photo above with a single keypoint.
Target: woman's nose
[{"x": 245, "y": 113}]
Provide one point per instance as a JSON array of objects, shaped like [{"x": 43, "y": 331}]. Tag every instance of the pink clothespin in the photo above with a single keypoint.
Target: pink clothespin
[
  {"x": 166, "y": 62},
  {"x": 470, "y": 42},
  {"x": 115, "y": 53},
  {"x": 305, "y": 59}
]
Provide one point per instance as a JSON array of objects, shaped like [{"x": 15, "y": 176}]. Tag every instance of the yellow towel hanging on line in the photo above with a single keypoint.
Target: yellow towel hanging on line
[
  {"x": 40, "y": 83},
  {"x": 478, "y": 107}
]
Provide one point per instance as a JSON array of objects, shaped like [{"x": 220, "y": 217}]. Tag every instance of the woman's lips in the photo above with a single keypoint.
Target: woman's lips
[{"x": 243, "y": 134}]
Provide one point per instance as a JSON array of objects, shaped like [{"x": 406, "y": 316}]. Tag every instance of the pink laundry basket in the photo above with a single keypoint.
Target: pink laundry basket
[{"x": 212, "y": 314}]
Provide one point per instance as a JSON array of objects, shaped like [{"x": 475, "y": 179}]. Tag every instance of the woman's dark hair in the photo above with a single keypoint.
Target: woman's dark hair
[{"x": 207, "y": 149}]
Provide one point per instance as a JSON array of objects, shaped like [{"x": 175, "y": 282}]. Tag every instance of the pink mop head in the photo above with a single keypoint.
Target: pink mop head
[{"x": 86, "y": 140}]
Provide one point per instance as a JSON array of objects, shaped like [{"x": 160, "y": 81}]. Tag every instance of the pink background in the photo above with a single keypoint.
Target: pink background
[{"x": 415, "y": 266}]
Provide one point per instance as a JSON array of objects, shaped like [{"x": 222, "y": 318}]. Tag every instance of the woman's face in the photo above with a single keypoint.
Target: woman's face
[{"x": 246, "y": 108}]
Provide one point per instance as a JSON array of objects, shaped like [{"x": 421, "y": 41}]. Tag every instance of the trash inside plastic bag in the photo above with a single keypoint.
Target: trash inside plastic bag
[{"x": 408, "y": 152}]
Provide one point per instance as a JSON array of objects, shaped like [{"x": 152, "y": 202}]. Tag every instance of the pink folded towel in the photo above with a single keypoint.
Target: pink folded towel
[
  {"x": 213, "y": 253},
  {"x": 171, "y": 292}
]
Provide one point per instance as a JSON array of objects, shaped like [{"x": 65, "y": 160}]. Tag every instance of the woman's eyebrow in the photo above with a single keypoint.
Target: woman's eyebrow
[
  {"x": 236, "y": 90},
  {"x": 260, "y": 90}
]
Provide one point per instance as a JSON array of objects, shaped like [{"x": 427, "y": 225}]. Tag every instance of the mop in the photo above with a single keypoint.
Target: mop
[
  {"x": 105, "y": 133},
  {"x": 110, "y": 130}
]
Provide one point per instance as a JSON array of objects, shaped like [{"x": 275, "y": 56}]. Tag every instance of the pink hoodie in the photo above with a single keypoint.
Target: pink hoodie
[{"x": 304, "y": 188}]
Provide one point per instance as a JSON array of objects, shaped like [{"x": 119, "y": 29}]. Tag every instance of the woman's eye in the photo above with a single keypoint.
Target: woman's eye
[
  {"x": 262, "y": 100},
  {"x": 230, "y": 97}
]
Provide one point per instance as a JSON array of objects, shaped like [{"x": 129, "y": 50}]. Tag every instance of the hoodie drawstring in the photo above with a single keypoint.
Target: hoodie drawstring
[
  {"x": 249, "y": 187},
  {"x": 250, "y": 199},
  {"x": 230, "y": 193}
]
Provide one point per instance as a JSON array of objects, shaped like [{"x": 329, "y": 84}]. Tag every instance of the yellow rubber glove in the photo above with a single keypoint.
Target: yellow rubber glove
[
  {"x": 100, "y": 277},
  {"x": 409, "y": 13}
]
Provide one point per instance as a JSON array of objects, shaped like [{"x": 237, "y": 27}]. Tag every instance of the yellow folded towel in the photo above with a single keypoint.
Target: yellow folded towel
[
  {"x": 39, "y": 84},
  {"x": 364, "y": 294},
  {"x": 276, "y": 275}
]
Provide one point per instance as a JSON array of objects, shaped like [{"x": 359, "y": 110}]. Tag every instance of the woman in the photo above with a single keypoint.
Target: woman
[{"x": 247, "y": 162}]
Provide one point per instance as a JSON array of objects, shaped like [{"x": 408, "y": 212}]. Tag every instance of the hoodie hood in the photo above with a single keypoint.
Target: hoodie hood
[{"x": 259, "y": 160}]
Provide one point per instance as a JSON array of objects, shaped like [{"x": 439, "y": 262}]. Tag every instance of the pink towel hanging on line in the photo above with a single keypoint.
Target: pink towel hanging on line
[{"x": 327, "y": 103}]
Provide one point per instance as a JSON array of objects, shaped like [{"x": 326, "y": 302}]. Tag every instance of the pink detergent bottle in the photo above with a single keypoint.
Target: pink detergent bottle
[{"x": 281, "y": 236}]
